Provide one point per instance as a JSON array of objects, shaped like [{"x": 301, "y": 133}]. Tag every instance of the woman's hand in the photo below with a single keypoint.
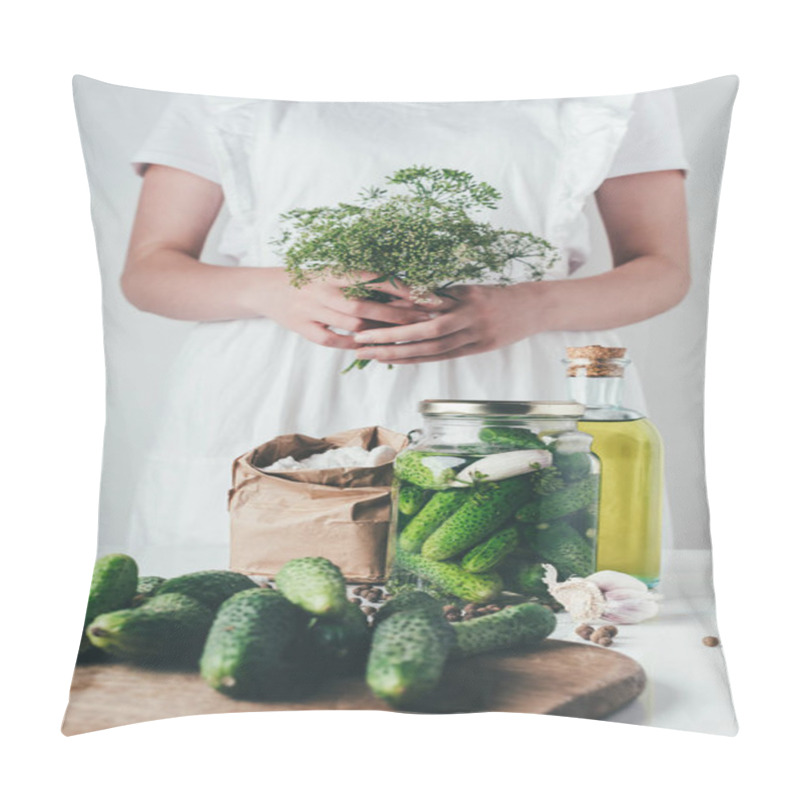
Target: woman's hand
[
  {"x": 164, "y": 275},
  {"x": 645, "y": 218},
  {"x": 477, "y": 319},
  {"x": 318, "y": 306}
]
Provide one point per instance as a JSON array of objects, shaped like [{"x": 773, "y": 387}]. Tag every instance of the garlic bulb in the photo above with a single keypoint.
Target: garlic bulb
[{"x": 606, "y": 595}]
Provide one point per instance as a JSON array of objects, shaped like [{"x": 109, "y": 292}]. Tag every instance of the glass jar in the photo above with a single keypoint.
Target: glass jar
[{"x": 489, "y": 492}]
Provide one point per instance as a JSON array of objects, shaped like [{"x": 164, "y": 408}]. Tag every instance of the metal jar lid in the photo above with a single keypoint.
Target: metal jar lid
[{"x": 562, "y": 409}]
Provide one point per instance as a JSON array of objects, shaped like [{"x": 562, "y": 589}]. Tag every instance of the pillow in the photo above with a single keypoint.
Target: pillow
[{"x": 488, "y": 278}]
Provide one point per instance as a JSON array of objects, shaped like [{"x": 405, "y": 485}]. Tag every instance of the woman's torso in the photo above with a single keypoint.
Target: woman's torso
[{"x": 237, "y": 384}]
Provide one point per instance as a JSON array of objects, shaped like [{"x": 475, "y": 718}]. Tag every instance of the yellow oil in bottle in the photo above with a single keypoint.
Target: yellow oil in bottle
[
  {"x": 631, "y": 463},
  {"x": 631, "y": 481}
]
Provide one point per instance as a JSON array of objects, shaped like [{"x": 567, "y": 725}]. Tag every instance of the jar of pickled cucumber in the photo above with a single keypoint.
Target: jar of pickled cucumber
[{"x": 488, "y": 493}]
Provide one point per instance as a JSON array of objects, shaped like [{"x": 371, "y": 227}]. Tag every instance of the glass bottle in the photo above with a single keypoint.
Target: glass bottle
[
  {"x": 487, "y": 492},
  {"x": 630, "y": 450}
]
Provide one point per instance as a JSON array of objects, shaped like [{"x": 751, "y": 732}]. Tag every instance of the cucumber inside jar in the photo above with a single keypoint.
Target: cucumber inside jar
[{"x": 474, "y": 540}]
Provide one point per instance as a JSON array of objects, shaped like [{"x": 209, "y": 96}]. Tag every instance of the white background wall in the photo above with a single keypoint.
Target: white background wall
[
  {"x": 667, "y": 350},
  {"x": 53, "y": 398}
]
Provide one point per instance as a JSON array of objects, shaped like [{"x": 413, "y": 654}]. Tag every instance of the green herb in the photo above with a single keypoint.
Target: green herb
[
  {"x": 546, "y": 480},
  {"x": 417, "y": 230}
]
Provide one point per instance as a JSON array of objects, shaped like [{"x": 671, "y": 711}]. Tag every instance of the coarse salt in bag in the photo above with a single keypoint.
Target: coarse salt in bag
[{"x": 340, "y": 513}]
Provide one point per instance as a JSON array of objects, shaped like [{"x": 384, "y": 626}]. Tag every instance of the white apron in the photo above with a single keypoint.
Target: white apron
[{"x": 237, "y": 384}]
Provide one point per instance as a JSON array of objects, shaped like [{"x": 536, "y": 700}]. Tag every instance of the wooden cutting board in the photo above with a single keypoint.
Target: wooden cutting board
[{"x": 562, "y": 678}]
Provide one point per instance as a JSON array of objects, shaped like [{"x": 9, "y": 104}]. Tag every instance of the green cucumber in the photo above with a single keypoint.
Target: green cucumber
[
  {"x": 410, "y": 499},
  {"x": 574, "y": 497},
  {"x": 257, "y": 648},
  {"x": 412, "y": 599},
  {"x": 211, "y": 587},
  {"x": 114, "y": 580},
  {"x": 408, "y": 654},
  {"x": 511, "y": 438},
  {"x": 515, "y": 626},
  {"x": 486, "y": 509},
  {"x": 166, "y": 630},
  {"x": 427, "y": 470},
  {"x": 340, "y": 646},
  {"x": 573, "y": 466},
  {"x": 523, "y": 575},
  {"x": 147, "y": 585},
  {"x": 441, "y": 506},
  {"x": 559, "y": 544},
  {"x": 487, "y": 555},
  {"x": 315, "y": 584},
  {"x": 452, "y": 579}
]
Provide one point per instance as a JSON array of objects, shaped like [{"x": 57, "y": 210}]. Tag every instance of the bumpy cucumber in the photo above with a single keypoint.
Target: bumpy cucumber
[
  {"x": 515, "y": 626},
  {"x": 147, "y": 585},
  {"x": 432, "y": 515},
  {"x": 562, "y": 546},
  {"x": 511, "y": 438},
  {"x": 523, "y": 575},
  {"x": 558, "y": 504},
  {"x": 211, "y": 587},
  {"x": 573, "y": 466},
  {"x": 452, "y": 579},
  {"x": 410, "y": 499},
  {"x": 412, "y": 600},
  {"x": 408, "y": 654},
  {"x": 340, "y": 645},
  {"x": 547, "y": 481},
  {"x": 113, "y": 586},
  {"x": 166, "y": 630},
  {"x": 486, "y": 509},
  {"x": 114, "y": 580},
  {"x": 427, "y": 470},
  {"x": 315, "y": 584},
  {"x": 256, "y": 648},
  {"x": 487, "y": 555}
]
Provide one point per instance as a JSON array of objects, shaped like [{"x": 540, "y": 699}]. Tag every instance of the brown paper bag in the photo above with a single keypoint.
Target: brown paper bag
[{"x": 339, "y": 513}]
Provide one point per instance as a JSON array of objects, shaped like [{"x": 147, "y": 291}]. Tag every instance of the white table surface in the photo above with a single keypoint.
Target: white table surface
[{"x": 687, "y": 687}]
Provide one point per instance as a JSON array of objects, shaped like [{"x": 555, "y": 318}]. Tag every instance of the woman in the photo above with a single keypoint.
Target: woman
[{"x": 267, "y": 357}]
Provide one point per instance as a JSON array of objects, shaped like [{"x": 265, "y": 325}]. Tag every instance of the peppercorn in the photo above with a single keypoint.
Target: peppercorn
[
  {"x": 605, "y": 641},
  {"x": 584, "y": 631},
  {"x": 710, "y": 641},
  {"x": 357, "y": 600},
  {"x": 608, "y": 630},
  {"x": 597, "y": 636}
]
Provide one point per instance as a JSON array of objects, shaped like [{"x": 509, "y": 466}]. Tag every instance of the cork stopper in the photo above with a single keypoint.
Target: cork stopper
[{"x": 596, "y": 361}]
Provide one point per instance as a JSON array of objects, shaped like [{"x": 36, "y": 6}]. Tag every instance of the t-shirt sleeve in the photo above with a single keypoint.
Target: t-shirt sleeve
[
  {"x": 181, "y": 139},
  {"x": 653, "y": 140}
]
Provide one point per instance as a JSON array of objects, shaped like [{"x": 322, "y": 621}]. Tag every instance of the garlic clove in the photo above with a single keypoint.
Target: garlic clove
[
  {"x": 627, "y": 606},
  {"x": 582, "y": 598},
  {"x": 609, "y": 579}
]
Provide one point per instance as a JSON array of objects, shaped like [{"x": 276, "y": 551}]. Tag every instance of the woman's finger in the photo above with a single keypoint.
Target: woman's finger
[
  {"x": 346, "y": 322},
  {"x": 318, "y": 334},
  {"x": 392, "y": 353},
  {"x": 467, "y": 350},
  {"x": 435, "y": 328}
]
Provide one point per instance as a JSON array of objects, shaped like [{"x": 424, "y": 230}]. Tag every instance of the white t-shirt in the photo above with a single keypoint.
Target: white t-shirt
[{"x": 652, "y": 142}]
